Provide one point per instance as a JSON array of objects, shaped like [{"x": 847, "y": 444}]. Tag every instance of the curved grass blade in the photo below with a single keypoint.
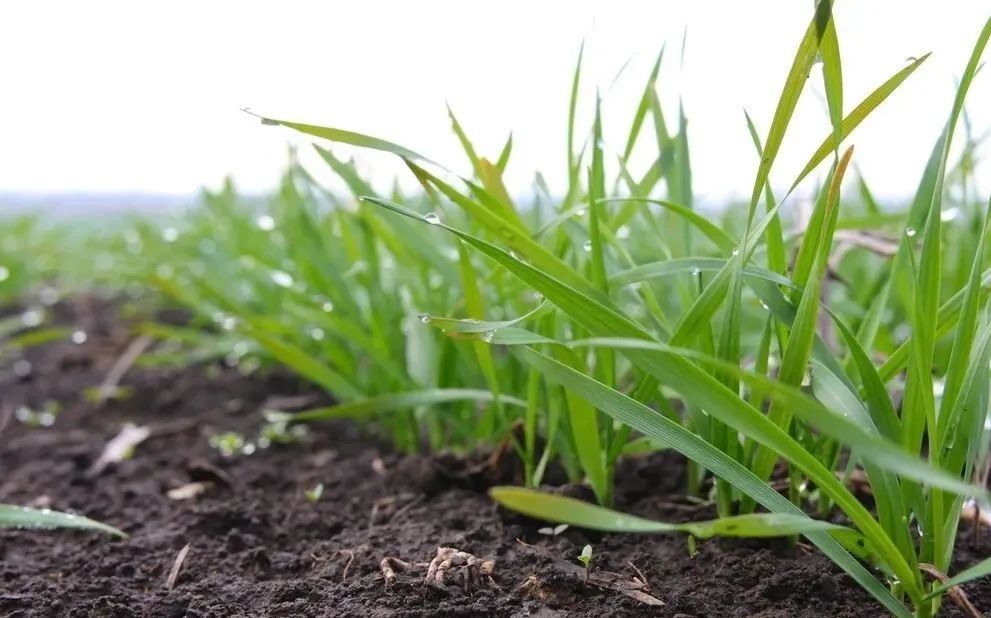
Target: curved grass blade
[
  {"x": 12, "y": 516},
  {"x": 657, "y": 427},
  {"x": 805, "y": 56},
  {"x": 347, "y": 137},
  {"x": 306, "y": 364},
  {"x": 981, "y": 569},
  {"x": 795, "y": 357},
  {"x": 391, "y": 403},
  {"x": 475, "y": 326},
  {"x": 564, "y": 510},
  {"x": 466, "y": 144},
  {"x": 677, "y": 266},
  {"x": 642, "y": 108},
  {"x": 699, "y": 388},
  {"x": 721, "y": 239},
  {"x": 855, "y": 117},
  {"x": 870, "y": 446}
]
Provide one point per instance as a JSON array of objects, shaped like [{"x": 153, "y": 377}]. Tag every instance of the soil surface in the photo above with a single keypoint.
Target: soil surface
[{"x": 259, "y": 547}]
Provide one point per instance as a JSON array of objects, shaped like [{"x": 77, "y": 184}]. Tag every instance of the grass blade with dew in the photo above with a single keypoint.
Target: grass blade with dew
[
  {"x": 700, "y": 388},
  {"x": 671, "y": 433},
  {"x": 392, "y": 402},
  {"x": 795, "y": 357},
  {"x": 574, "y": 512},
  {"x": 856, "y": 116},
  {"x": 12, "y": 516},
  {"x": 346, "y": 137}
]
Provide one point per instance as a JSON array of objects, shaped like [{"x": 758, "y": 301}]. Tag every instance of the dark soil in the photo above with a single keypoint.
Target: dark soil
[{"x": 258, "y": 547}]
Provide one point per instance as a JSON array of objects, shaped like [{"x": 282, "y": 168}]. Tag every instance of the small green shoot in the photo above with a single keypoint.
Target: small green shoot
[
  {"x": 314, "y": 493},
  {"x": 586, "y": 559}
]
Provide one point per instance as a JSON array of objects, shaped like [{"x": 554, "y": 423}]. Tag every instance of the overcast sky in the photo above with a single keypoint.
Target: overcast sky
[{"x": 134, "y": 96}]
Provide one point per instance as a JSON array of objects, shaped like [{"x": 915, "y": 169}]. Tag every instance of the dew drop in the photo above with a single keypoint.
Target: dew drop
[
  {"x": 910, "y": 232},
  {"x": 487, "y": 336},
  {"x": 4, "y": 273},
  {"x": 327, "y": 307},
  {"x": 696, "y": 272},
  {"x": 588, "y": 245},
  {"x": 79, "y": 337},
  {"x": 170, "y": 234},
  {"x": 580, "y": 212},
  {"x": 911, "y": 59},
  {"x": 735, "y": 252},
  {"x": 282, "y": 278},
  {"x": 48, "y": 296},
  {"x": 623, "y": 232},
  {"x": 265, "y": 223},
  {"x": 425, "y": 318},
  {"x": 32, "y": 317},
  {"x": 22, "y": 369},
  {"x": 228, "y": 323},
  {"x": 431, "y": 218},
  {"x": 949, "y": 214},
  {"x": 317, "y": 334}
]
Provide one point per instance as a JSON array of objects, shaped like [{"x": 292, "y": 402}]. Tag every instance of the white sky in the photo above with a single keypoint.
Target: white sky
[{"x": 136, "y": 96}]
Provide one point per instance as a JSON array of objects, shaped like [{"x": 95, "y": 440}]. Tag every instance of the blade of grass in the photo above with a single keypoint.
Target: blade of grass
[
  {"x": 23, "y": 517},
  {"x": 565, "y": 510}
]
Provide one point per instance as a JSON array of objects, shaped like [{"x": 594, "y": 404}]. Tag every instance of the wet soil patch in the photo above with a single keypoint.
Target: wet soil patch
[{"x": 259, "y": 547}]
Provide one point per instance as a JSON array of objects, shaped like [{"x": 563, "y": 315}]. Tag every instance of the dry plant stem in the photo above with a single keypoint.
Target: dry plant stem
[
  {"x": 475, "y": 573},
  {"x": 390, "y": 566},
  {"x": 955, "y": 593},
  {"x": 124, "y": 363},
  {"x": 286, "y": 403},
  {"x": 176, "y": 567},
  {"x": 347, "y": 565},
  {"x": 472, "y": 569},
  {"x": 641, "y": 577}
]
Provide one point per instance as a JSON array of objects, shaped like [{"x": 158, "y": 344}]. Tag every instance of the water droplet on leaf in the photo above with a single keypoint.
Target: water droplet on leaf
[
  {"x": 265, "y": 222},
  {"x": 282, "y": 278}
]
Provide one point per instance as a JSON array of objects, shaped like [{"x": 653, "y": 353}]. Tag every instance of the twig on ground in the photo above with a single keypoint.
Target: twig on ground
[
  {"x": 347, "y": 565},
  {"x": 390, "y": 566},
  {"x": 475, "y": 573},
  {"x": 176, "y": 567},
  {"x": 286, "y": 403},
  {"x": 955, "y": 593},
  {"x": 189, "y": 490},
  {"x": 642, "y": 578},
  {"x": 108, "y": 388},
  {"x": 119, "y": 448}
]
